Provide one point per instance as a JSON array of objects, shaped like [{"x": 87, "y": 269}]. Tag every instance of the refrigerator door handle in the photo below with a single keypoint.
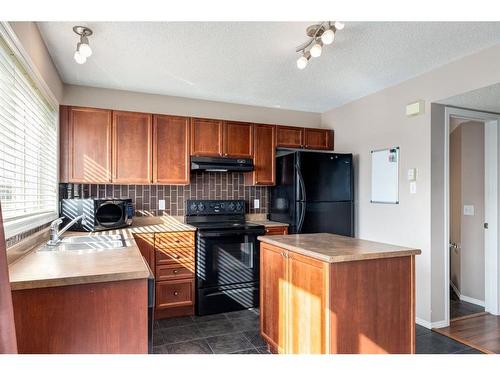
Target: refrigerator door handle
[
  {"x": 301, "y": 183},
  {"x": 301, "y": 217}
]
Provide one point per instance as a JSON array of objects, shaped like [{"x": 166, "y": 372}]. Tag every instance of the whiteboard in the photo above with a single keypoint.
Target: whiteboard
[{"x": 385, "y": 176}]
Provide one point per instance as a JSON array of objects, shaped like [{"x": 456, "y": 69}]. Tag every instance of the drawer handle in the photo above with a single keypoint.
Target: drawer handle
[
  {"x": 176, "y": 256},
  {"x": 177, "y": 241},
  {"x": 176, "y": 271},
  {"x": 176, "y": 293}
]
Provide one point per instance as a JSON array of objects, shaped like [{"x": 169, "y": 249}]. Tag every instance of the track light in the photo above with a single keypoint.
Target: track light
[
  {"x": 83, "y": 50},
  {"x": 321, "y": 34}
]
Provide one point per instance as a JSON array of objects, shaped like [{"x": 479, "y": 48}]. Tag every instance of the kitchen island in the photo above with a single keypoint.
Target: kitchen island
[{"x": 323, "y": 293}]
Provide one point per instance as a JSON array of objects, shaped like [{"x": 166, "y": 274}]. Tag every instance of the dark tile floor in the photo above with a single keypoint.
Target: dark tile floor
[
  {"x": 238, "y": 333},
  {"x": 461, "y": 308}
]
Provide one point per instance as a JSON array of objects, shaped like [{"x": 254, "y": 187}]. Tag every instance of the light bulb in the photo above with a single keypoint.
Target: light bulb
[
  {"x": 338, "y": 25},
  {"x": 85, "y": 50},
  {"x": 328, "y": 36},
  {"x": 79, "y": 58},
  {"x": 302, "y": 62},
  {"x": 316, "y": 50}
]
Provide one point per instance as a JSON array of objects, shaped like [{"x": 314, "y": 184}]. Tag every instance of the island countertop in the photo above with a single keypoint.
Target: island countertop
[
  {"x": 40, "y": 269},
  {"x": 333, "y": 248}
]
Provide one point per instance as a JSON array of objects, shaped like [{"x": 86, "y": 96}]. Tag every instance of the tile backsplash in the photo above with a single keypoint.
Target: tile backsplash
[{"x": 204, "y": 185}]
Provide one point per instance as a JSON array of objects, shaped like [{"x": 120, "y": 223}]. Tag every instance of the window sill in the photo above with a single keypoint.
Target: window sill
[{"x": 15, "y": 227}]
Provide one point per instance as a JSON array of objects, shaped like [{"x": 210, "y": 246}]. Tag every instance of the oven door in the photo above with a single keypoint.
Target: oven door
[{"x": 227, "y": 257}]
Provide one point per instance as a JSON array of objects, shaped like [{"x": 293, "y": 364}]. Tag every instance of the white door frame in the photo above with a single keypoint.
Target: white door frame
[{"x": 491, "y": 251}]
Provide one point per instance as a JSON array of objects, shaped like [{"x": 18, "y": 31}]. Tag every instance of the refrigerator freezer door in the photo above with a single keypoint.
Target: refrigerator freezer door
[
  {"x": 329, "y": 217},
  {"x": 283, "y": 194},
  {"x": 327, "y": 177}
]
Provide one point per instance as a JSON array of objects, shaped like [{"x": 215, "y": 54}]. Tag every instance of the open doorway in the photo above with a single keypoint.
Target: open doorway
[{"x": 467, "y": 217}]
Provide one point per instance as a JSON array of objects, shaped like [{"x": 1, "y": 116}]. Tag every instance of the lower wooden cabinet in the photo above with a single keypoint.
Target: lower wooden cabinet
[
  {"x": 175, "y": 293},
  {"x": 274, "y": 231}
]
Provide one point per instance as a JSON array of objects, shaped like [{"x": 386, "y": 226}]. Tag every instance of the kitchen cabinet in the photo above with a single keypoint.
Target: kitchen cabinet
[
  {"x": 293, "y": 296},
  {"x": 237, "y": 140},
  {"x": 85, "y": 145},
  {"x": 289, "y": 136},
  {"x": 318, "y": 139},
  {"x": 275, "y": 230},
  {"x": 146, "y": 244},
  {"x": 132, "y": 147},
  {"x": 264, "y": 152},
  {"x": 171, "y": 165},
  {"x": 174, "y": 274},
  {"x": 206, "y": 137}
]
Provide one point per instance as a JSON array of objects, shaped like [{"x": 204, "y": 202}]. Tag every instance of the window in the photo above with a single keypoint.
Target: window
[{"x": 28, "y": 148}]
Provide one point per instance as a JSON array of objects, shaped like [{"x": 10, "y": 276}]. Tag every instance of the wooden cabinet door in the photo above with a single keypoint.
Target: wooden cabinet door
[
  {"x": 273, "y": 299},
  {"x": 318, "y": 139},
  {"x": 289, "y": 136},
  {"x": 264, "y": 152},
  {"x": 132, "y": 147},
  {"x": 276, "y": 231},
  {"x": 206, "y": 137},
  {"x": 238, "y": 139},
  {"x": 171, "y": 150},
  {"x": 307, "y": 281},
  {"x": 89, "y": 145},
  {"x": 146, "y": 244}
]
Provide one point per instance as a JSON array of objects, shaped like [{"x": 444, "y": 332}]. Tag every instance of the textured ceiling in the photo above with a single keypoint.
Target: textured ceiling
[
  {"x": 483, "y": 99},
  {"x": 254, "y": 62}
]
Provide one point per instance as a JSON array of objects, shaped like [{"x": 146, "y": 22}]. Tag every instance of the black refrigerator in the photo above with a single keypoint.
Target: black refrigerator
[{"x": 314, "y": 192}]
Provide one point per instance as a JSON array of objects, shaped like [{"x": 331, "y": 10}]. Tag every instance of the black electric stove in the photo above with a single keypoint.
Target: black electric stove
[{"x": 227, "y": 256}]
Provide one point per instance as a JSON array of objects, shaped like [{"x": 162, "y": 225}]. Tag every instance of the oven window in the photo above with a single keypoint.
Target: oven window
[{"x": 228, "y": 260}]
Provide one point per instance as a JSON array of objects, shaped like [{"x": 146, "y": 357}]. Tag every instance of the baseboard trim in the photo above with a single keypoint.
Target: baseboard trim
[
  {"x": 471, "y": 300},
  {"x": 431, "y": 325}
]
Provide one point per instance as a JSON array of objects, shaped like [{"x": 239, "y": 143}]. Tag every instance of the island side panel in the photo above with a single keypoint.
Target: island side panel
[
  {"x": 108, "y": 317},
  {"x": 372, "y": 306}
]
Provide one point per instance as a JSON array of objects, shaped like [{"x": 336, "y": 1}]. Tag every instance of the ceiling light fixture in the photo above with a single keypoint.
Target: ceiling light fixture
[
  {"x": 83, "y": 50},
  {"x": 320, "y": 34}
]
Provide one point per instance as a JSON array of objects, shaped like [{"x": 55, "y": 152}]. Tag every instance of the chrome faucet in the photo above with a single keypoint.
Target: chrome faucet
[{"x": 55, "y": 234}]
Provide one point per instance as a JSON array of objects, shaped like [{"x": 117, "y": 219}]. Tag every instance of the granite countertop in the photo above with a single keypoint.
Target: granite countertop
[
  {"x": 40, "y": 269},
  {"x": 332, "y": 248}
]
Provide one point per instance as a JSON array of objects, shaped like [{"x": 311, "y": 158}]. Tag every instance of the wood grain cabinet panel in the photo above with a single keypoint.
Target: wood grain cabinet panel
[
  {"x": 264, "y": 152},
  {"x": 238, "y": 139},
  {"x": 289, "y": 136},
  {"x": 318, "y": 139},
  {"x": 132, "y": 147},
  {"x": 206, "y": 137},
  {"x": 146, "y": 244},
  {"x": 171, "y": 150},
  {"x": 85, "y": 145},
  {"x": 273, "y": 297},
  {"x": 275, "y": 231},
  {"x": 175, "y": 293}
]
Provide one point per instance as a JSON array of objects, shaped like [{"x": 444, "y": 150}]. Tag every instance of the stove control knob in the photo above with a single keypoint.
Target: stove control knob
[
  {"x": 193, "y": 207},
  {"x": 201, "y": 207},
  {"x": 231, "y": 206}
]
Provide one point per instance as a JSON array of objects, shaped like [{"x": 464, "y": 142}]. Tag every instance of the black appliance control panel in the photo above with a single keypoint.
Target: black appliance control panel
[{"x": 215, "y": 207}]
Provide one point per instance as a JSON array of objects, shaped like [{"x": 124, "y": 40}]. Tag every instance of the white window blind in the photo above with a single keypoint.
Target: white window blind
[{"x": 28, "y": 148}]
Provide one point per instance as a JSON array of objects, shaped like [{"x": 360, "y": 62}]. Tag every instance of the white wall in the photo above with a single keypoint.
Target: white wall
[
  {"x": 378, "y": 121},
  {"x": 30, "y": 38},
  {"x": 163, "y": 104}
]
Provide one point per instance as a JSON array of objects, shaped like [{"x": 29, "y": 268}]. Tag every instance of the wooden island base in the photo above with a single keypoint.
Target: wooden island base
[{"x": 346, "y": 307}]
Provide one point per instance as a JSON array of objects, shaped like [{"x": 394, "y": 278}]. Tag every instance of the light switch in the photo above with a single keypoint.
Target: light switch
[
  {"x": 413, "y": 187},
  {"x": 412, "y": 174},
  {"x": 161, "y": 204},
  {"x": 256, "y": 203},
  {"x": 468, "y": 210}
]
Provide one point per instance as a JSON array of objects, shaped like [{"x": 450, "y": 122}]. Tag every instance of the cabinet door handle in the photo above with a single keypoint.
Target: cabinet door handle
[
  {"x": 176, "y": 256},
  {"x": 176, "y": 271},
  {"x": 176, "y": 293}
]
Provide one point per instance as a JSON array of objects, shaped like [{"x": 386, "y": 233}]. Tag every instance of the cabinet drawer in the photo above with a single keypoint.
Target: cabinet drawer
[
  {"x": 174, "y": 239},
  {"x": 272, "y": 231},
  {"x": 174, "y": 293},
  {"x": 175, "y": 255},
  {"x": 174, "y": 272}
]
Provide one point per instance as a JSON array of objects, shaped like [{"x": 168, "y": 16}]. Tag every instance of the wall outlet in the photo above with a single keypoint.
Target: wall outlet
[
  {"x": 161, "y": 204},
  {"x": 413, "y": 187},
  {"x": 256, "y": 203}
]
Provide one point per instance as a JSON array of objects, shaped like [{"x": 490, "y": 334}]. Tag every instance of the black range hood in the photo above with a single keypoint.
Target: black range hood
[{"x": 210, "y": 164}]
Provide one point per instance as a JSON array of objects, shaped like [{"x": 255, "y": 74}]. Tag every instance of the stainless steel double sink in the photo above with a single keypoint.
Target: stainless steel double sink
[{"x": 88, "y": 243}]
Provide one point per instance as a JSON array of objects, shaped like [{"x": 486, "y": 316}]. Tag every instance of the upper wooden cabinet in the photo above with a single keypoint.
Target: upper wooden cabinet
[
  {"x": 318, "y": 139},
  {"x": 289, "y": 136},
  {"x": 238, "y": 139},
  {"x": 310, "y": 138},
  {"x": 171, "y": 150},
  {"x": 264, "y": 152},
  {"x": 206, "y": 137},
  {"x": 132, "y": 147},
  {"x": 85, "y": 145}
]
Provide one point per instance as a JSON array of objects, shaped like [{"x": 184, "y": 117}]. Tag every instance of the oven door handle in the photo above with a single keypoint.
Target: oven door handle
[{"x": 231, "y": 234}]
